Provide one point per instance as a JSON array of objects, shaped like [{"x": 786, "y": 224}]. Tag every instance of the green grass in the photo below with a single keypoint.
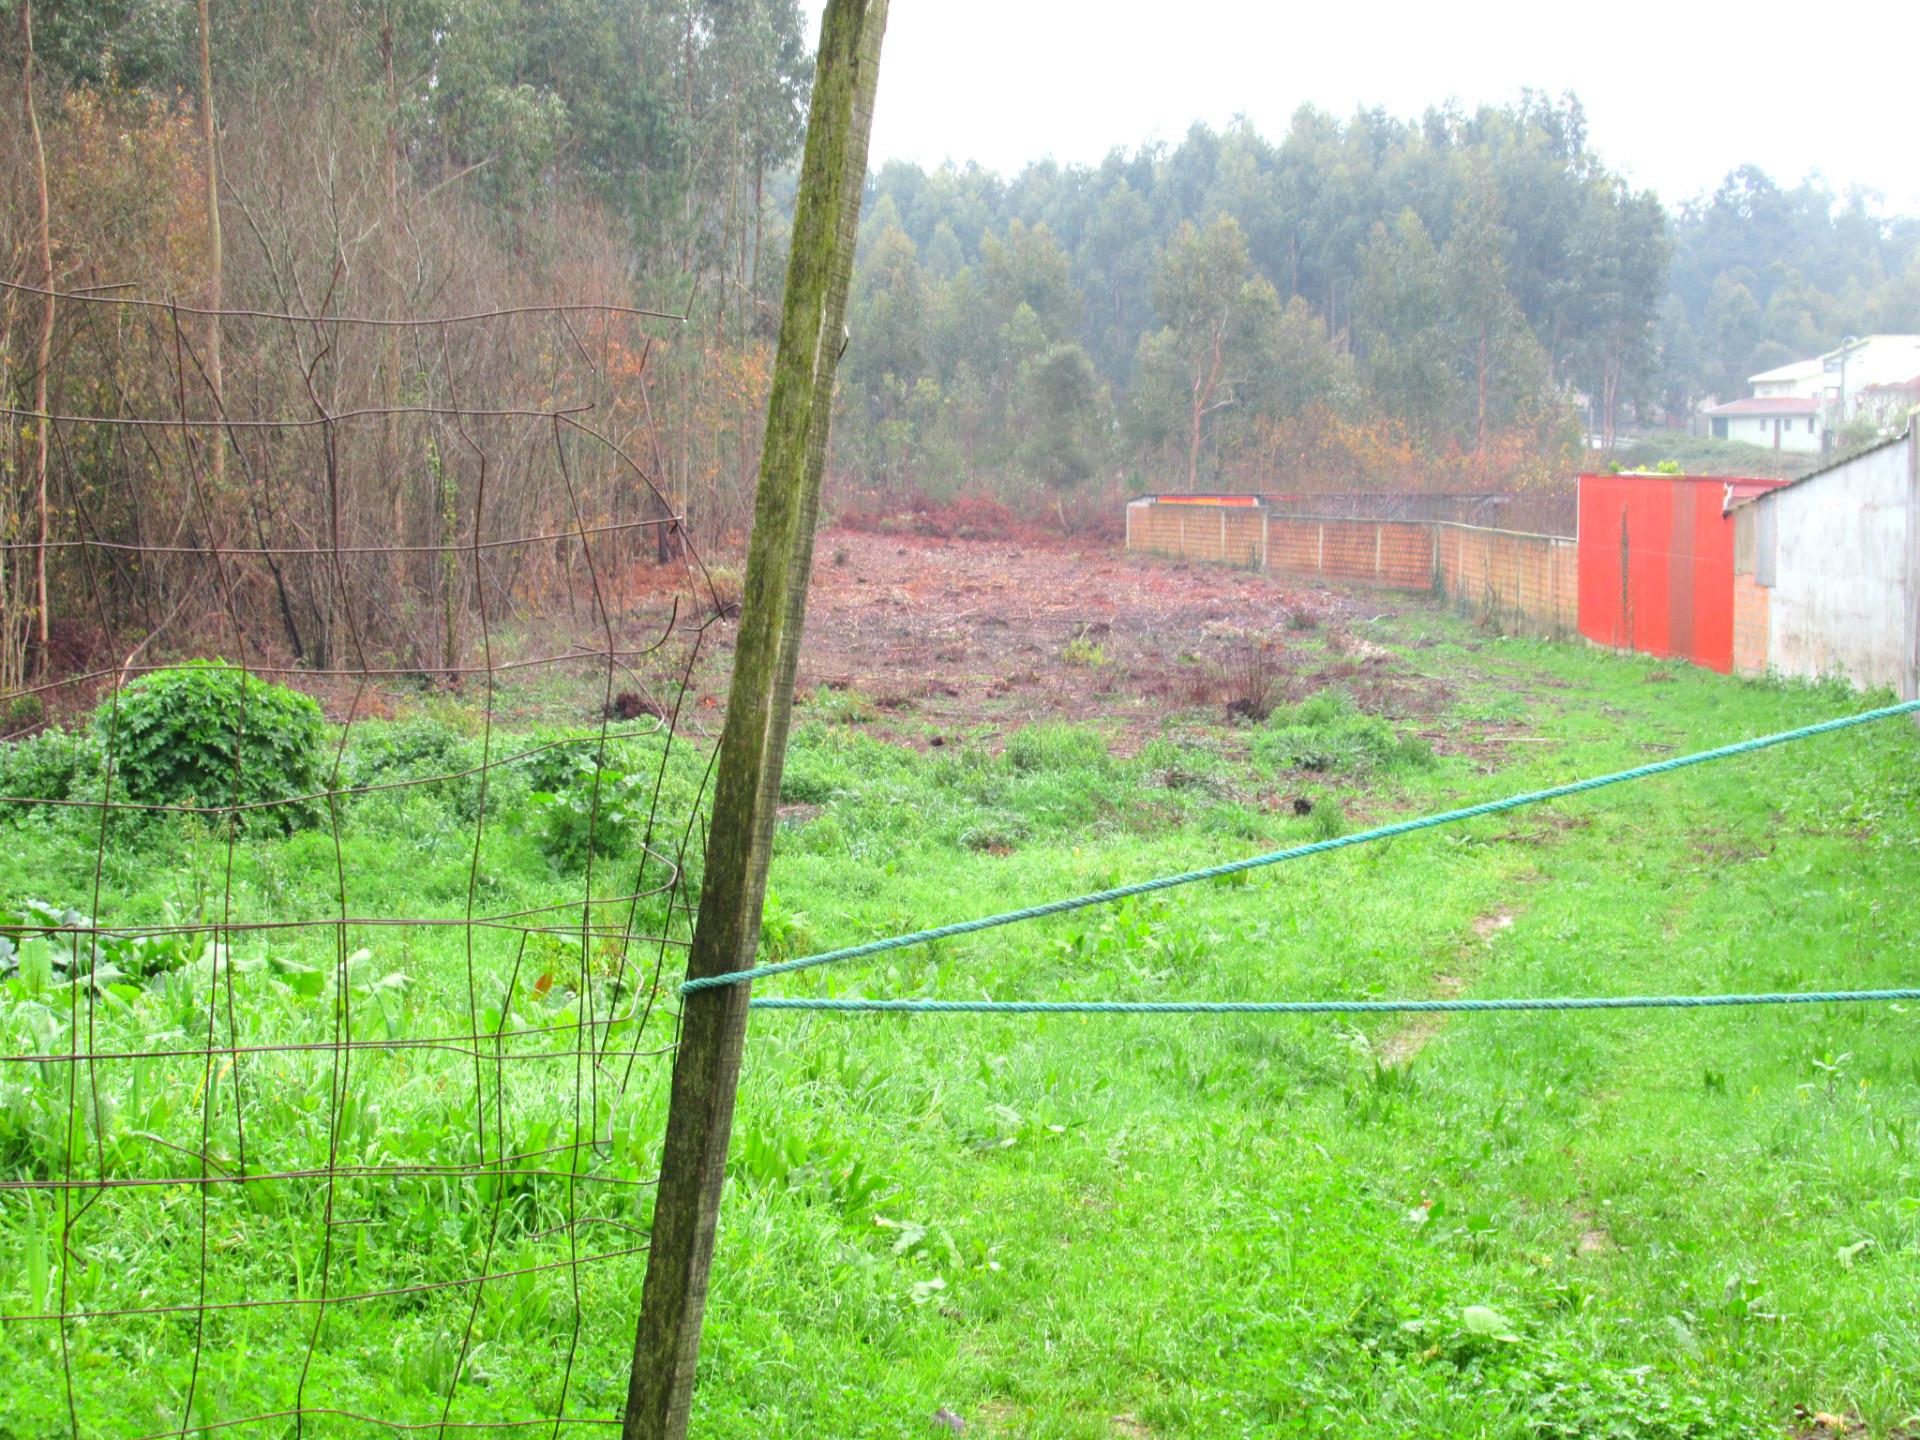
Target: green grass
[{"x": 1651, "y": 1224}]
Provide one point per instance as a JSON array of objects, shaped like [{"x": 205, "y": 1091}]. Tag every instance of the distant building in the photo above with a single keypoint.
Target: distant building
[
  {"x": 1802, "y": 377},
  {"x": 1798, "y": 406},
  {"x": 1773, "y": 422},
  {"x": 1888, "y": 405},
  {"x": 1858, "y": 367}
]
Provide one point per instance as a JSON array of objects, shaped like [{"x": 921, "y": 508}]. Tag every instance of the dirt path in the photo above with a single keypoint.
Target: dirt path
[{"x": 1404, "y": 1045}]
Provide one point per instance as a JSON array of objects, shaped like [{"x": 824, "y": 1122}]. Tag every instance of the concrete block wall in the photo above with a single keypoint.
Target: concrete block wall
[
  {"x": 1198, "y": 532},
  {"x": 1404, "y": 555},
  {"x": 1360, "y": 552},
  {"x": 1529, "y": 583},
  {"x": 1245, "y": 538},
  {"x": 1293, "y": 546},
  {"x": 1526, "y": 583},
  {"x": 1349, "y": 550}
]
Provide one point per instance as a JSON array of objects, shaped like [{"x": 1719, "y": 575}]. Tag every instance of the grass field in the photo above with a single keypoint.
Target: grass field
[{"x": 1648, "y": 1224}]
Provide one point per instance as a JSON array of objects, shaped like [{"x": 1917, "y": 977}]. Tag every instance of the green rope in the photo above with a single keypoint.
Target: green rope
[
  {"x": 1322, "y": 1007},
  {"x": 1275, "y": 857}
]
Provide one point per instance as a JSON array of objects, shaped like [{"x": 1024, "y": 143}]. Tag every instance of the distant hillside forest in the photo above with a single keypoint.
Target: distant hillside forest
[{"x": 1448, "y": 301}]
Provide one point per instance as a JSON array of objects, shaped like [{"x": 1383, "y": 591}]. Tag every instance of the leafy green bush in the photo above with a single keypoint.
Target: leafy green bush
[
  {"x": 428, "y": 750},
  {"x": 598, "y": 811},
  {"x": 1085, "y": 651},
  {"x": 567, "y": 814},
  {"x": 208, "y": 733},
  {"x": 1328, "y": 819},
  {"x": 810, "y": 777},
  {"x": 53, "y": 765},
  {"x": 1326, "y": 733},
  {"x": 551, "y": 756},
  {"x": 25, "y": 711}
]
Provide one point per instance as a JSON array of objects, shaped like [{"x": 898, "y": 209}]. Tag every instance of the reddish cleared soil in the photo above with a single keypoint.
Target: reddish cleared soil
[
  {"x": 957, "y": 633},
  {"x": 948, "y": 626}
]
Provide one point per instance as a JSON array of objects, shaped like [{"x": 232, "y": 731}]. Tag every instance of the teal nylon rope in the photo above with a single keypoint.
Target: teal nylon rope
[
  {"x": 1274, "y": 857},
  {"x": 1323, "y": 1007}
]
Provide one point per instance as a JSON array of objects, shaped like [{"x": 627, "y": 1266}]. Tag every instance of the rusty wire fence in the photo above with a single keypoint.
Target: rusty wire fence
[{"x": 330, "y": 1092}]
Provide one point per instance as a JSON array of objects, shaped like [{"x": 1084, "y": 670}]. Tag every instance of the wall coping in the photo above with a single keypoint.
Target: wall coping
[
  {"x": 1448, "y": 524},
  {"x": 1496, "y": 530}
]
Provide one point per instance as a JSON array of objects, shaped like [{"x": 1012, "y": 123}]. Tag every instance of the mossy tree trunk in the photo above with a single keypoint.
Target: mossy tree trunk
[{"x": 759, "y": 708}]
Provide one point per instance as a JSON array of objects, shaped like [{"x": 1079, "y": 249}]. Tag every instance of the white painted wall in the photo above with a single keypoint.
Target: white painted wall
[
  {"x": 1845, "y": 597},
  {"x": 1804, "y": 377},
  {"x": 1879, "y": 360},
  {"x": 1795, "y": 432}
]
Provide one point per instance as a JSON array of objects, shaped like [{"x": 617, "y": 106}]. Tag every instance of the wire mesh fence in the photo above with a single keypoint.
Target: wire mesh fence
[{"x": 358, "y": 781}]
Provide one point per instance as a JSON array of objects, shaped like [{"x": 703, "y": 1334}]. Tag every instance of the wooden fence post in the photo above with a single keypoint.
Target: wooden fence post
[
  {"x": 753, "y": 744},
  {"x": 1910, "y": 676}
]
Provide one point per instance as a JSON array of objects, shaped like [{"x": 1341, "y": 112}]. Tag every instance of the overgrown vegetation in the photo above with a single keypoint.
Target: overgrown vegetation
[
  {"x": 1666, "y": 1224},
  {"x": 1703, "y": 455},
  {"x": 1326, "y": 733},
  {"x": 1377, "y": 302},
  {"x": 375, "y": 165},
  {"x": 1374, "y": 303}
]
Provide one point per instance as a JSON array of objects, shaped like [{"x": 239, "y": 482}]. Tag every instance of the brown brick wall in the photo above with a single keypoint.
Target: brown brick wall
[
  {"x": 1406, "y": 555},
  {"x": 1366, "y": 552},
  {"x": 1750, "y": 625},
  {"x": 1158, "y": 528},
  {"x": 1246, "y": 539},
  {"x": 1187, "y": 532},
  {"x": 1350, "y": 551}
]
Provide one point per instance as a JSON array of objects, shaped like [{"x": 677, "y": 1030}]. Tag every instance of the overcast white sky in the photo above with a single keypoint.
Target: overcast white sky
[{"x": 1677, "y": 93}]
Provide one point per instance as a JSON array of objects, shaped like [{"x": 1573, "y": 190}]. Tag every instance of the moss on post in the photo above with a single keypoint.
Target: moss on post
[{"x": 759, "y": 708}]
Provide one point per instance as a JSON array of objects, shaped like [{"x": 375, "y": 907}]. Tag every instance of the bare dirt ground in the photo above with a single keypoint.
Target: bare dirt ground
[
  {"x": 958, "y": 633},
  {"x": 957, "y": 627},
  {"x": 929, "y": 640}
]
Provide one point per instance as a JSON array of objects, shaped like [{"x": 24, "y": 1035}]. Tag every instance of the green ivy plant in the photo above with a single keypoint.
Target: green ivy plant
[
  {"x": 51, "y": 765},
  {"x": 209, "y": 734}
]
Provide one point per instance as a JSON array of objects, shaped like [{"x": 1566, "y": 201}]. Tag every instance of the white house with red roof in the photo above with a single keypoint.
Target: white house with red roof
[
  {"x": 1794, "y": 406},
  {"x": 1774, "y": 422}
]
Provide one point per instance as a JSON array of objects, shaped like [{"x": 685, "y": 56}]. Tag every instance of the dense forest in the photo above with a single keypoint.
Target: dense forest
[
  {"x": 1448, "y": 302},
  {"x": 1453, "y": 300}
]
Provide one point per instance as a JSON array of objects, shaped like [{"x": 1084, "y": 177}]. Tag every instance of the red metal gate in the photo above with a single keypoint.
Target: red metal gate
[{"x": 1656, "y": 563}]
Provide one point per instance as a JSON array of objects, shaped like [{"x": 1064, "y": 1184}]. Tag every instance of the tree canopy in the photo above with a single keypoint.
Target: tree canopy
[{"x": 1475, "y": 285}]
